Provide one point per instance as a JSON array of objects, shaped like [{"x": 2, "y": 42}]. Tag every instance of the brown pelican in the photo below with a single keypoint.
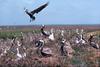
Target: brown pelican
[
  {"x": 43, "y": 51},
  {"x": 80, "y": 39},
  {"x": 62, "y": 44},
  {"x": 37, "y": 10},
  {"x": 92, "y": 43},
  {"x": 43, "y": 32},
  {"x": 62, "y": 33},
  {"x": 20, "y": 55},
  {"x": 49, "y": 35},
  {"x": 66, "y": 49}
]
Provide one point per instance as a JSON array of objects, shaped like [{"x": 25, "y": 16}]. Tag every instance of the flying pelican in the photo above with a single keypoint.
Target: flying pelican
[{"x": 37, "y": 10}]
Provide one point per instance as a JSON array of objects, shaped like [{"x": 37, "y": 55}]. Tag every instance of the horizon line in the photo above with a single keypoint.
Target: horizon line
[{"x": 51, "y": 24}]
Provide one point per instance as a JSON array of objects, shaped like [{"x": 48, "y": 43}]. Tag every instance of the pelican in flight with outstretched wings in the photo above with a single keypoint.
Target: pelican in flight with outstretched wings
[{"x": 35, "y": 11}]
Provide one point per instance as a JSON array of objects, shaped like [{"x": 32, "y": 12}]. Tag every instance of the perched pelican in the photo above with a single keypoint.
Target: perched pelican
[
  {"x": 31, "y": 14},
  {"x": 43, "y": 51},
  {"x": 66, "y": 49},
  {"x": 62, "y": 44},
  {"x": 77, "y": 41},
  {"x": 43, "y": 32},
  {"x": 50, "y": 36},
  {"x": 92, "y": 43},
  {"x": 18, "y": 43},
  {"x": 77, "y": 31},
  {"x": 80, "y": 40},
  {"x": 62, "y": 33},
  {"x": 91, "y": 37},
  {"x": 20, "y": 55}
]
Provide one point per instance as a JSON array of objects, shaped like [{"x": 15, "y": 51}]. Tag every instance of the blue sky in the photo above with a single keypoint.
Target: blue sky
[{"x": 57, "y": 12}]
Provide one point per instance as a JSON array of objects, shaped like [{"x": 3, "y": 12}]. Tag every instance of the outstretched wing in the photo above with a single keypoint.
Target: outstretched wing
[{"x": 39, "y": 8}]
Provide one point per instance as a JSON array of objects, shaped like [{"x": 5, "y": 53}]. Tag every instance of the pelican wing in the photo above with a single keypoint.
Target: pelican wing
[{"x": 39, "y": 9}]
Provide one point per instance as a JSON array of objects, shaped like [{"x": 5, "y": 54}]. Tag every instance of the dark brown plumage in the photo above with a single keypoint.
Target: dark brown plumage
[
  {"x": 37, "y": 10},
  {"x": 43, "y": 32}
]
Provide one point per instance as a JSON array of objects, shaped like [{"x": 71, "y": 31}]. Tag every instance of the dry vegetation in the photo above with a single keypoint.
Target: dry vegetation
[{"x": 83, "y": 55}]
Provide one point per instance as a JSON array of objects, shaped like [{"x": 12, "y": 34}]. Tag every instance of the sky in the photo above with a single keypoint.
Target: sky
[{"x": 57, "y": 12}]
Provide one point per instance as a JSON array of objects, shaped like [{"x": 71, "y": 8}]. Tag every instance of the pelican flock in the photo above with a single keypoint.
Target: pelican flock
[{"x": 44, "y": 46}]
